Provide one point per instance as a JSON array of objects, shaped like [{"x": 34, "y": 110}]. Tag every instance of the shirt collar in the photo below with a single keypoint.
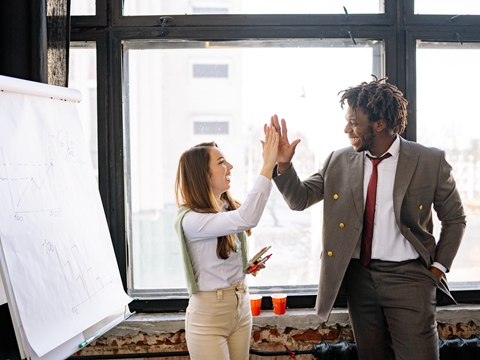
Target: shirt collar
[{"x": 394, "y": 149}]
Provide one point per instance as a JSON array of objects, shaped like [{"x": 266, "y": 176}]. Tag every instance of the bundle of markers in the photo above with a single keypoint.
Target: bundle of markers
[{"x": 257, "y": 260}]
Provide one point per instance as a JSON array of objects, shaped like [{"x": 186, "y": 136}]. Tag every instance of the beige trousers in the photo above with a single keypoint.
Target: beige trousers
[{"x": 218, "y": 324}]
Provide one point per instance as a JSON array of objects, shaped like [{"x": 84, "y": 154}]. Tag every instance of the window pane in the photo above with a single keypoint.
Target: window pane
[
  {"x": 82, "y": 75},
  {"x": 466, "y": 7},
  {"x": 82, "y": 7},
  {"x": 181, "y": 7},
  {"x": 169, "y": 109},
  {"x": 447, "y": 91}
]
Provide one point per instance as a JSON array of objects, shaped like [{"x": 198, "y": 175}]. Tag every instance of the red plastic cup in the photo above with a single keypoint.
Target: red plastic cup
[
  {"x": 256, "y": 304},
  {"x": 279, "y": 303}
]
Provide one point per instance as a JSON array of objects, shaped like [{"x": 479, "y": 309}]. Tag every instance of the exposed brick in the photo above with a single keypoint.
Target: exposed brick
[
  {"x": 331, "y": 334},
  {"x": 308, "y": 335},
  {"x": 346, "y": 333},
  {"x": 265, "y": 339},
  {"x": 274, "y": 332},
  {"x": 256, "y": 335}
]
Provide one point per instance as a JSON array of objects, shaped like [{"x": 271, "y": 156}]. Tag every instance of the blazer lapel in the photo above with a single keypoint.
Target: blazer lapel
[
  {"x": 356, "y": 180},
  {"x": 407, "y": 162}
]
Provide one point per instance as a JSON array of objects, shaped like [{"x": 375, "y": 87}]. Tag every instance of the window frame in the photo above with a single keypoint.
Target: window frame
[{"x": 398, "y": 27}]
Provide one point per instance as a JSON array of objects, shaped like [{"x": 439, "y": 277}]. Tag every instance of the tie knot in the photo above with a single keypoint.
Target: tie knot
[{"x": 375, "y": 161}]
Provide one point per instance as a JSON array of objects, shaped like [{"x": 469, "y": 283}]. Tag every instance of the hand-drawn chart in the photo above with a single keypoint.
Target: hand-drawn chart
[
  {"x": 69, "y": 146},
  {"x": 82, "y": 280},
  {"x": 28, "y": 181},
  {"x": 54, "y": 235}
]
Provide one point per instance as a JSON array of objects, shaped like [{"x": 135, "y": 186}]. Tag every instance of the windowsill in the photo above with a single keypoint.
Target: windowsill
[{"x": 161, "y": 323}]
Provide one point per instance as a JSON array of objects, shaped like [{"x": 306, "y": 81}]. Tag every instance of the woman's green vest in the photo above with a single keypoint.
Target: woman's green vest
[{"x": 187, "y": 265}]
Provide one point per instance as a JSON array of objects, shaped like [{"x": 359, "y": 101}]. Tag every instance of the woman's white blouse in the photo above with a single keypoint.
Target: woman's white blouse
[{"x": 202, "y": 230}]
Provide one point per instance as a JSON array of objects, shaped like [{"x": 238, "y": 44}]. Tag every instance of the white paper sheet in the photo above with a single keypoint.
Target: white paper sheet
[
  {"x": 53, "y": 229},
  {"x": 3, "y": 296},
  {"x": 61, "y": 352}
]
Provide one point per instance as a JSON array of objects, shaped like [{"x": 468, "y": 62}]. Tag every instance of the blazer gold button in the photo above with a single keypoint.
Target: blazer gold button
[
  {"x": 330, "y": 253},
  {"x": 420, "y": 207},
  {"x": 335, "y": 197},
  {"x": 342, "y": 225}
]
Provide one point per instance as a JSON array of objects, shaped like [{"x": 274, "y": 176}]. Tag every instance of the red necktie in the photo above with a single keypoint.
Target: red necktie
[{"x": 366, "y": 249}]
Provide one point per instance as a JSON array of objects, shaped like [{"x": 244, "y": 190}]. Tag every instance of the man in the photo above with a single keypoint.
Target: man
[{"x": 382, "y": 255}]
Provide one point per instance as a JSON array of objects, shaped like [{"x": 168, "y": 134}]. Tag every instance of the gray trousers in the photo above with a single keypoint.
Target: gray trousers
[{"x": 392, "y": 309}]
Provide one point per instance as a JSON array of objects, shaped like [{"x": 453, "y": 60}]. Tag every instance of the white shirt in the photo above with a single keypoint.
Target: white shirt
[
  {"x": 202, "y": 230},
  {"x": 388, "y": 243}
]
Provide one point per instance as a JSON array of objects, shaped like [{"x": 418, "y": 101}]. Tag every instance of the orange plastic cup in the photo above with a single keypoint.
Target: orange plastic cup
[
  {"x": 279, "y": 303},
  {"x": 256, "y": 304}
]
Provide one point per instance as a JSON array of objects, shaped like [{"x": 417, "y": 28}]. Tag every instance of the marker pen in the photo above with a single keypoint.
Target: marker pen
[
  {"x": 88, "y": 341},
  {"x": 256, "y": 266}
]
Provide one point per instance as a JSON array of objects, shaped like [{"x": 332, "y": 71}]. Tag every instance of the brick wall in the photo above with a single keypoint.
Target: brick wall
[{"x": 265, "y": 338}]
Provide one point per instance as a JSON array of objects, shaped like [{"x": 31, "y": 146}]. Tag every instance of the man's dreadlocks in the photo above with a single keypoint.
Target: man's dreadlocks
[{"x": 379, "y": 101}]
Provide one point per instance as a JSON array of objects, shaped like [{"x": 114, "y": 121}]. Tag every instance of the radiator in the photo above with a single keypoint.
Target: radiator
[
  {"x": 460, "y": 349},
  {"x": 451, "y": 349}
]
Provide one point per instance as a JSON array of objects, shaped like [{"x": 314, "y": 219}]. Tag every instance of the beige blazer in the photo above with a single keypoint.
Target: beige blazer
[{"x": 423, "y": 181}]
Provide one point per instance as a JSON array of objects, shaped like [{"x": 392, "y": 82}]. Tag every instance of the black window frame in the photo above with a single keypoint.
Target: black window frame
[{"x": 398, "y": 27}]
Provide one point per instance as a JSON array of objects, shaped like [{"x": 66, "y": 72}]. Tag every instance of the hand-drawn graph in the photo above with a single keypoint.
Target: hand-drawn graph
[
  {"x": 68, "y": 146},
  {"x": 82, "y": 281},
  {"x": 49, "y": 196},
  {"x": 32, "y": 185}
]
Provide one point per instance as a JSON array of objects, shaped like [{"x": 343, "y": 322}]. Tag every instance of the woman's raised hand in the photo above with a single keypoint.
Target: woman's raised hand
[{"x": 270, "y": 150}]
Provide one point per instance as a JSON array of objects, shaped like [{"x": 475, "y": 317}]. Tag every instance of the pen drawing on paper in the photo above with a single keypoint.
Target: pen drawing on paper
[
  {"x": 55, "y": 240},
  {"x": 29, "y": 180},
  {"x": 81, "y": 279},
  {"x": 68, "y": 146}
]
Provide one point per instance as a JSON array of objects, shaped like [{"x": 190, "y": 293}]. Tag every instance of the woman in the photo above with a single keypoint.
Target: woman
[{"x": 211, "y": 226}]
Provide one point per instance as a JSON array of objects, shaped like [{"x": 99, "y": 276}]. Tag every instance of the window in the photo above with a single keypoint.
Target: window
[
  {"x": 82, "y": 7},
  {"x": 175, "y": 7},
  {"x": 465, "y": 7},
  {"x": 446, "y": 119},
  {"x": 165, "y": 85},
  {"x": 209, "y": 10},
  {"x": 83, "y": 76},
  {"x": 210, "y": 70},
  {"x": 293, "y": 79},
  {"x": 210, "y": 127}
]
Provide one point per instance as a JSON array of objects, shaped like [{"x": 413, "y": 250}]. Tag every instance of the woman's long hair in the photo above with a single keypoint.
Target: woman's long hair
[{"x": 192, "y": 189}]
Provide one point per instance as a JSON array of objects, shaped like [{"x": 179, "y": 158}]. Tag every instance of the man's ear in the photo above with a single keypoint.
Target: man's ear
[{"x": 380, "y": 125}]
